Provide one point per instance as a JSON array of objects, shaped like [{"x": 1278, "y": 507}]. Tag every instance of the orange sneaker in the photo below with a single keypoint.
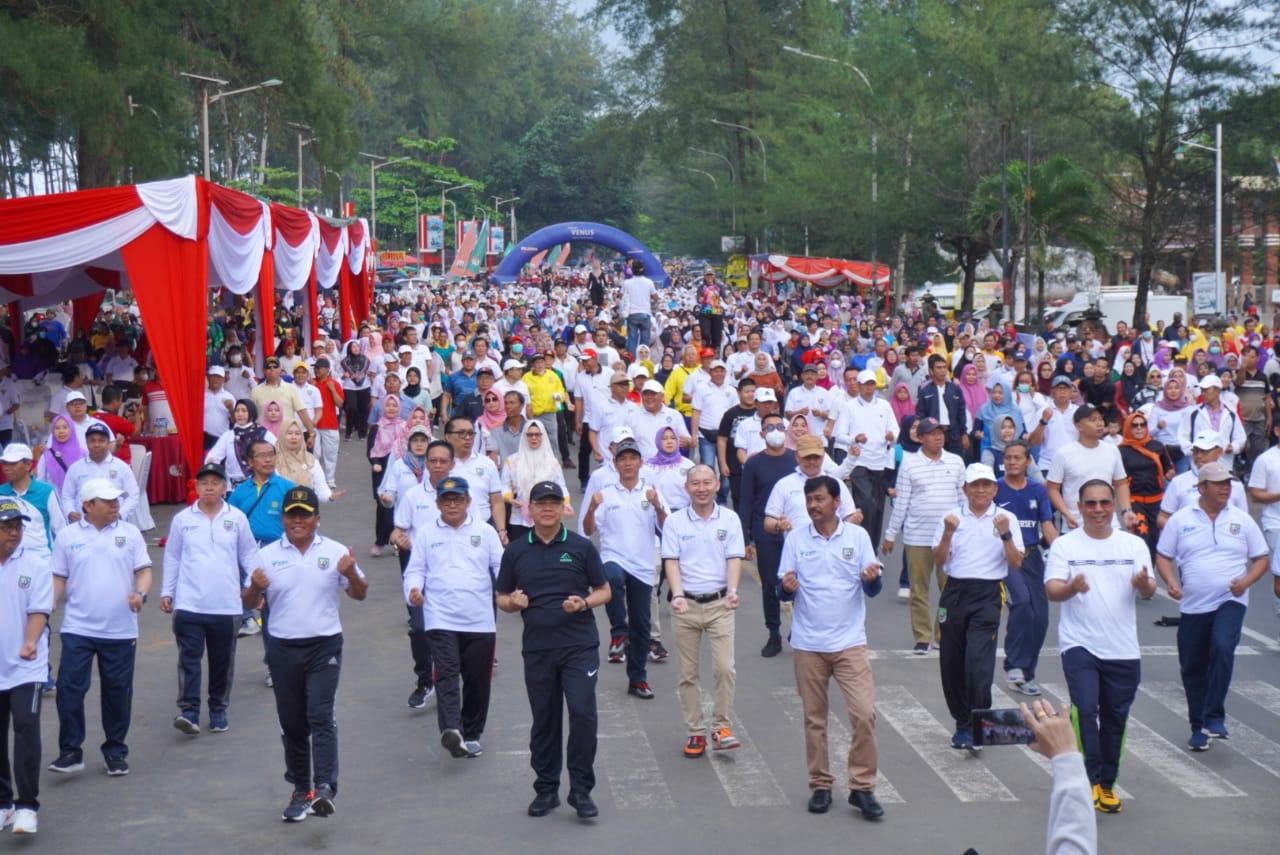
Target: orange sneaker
[
  {"x": 723, "y": 739},
  {"x": 695, "y": 747}
]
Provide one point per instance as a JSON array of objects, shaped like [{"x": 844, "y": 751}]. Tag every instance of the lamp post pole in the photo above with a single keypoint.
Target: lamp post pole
[
  {"x": 445, "y": 190},
  {"x": 374, "y": 166},
  {"x": 1217, "y": 207},
  {"x": 206, "y": 98},
  {"x": 497, "y": 206},
  {"x": 302, "y": 130}
]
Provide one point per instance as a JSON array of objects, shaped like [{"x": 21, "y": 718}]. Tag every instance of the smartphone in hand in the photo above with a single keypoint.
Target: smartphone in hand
[{"x": 1000, "y": 727}]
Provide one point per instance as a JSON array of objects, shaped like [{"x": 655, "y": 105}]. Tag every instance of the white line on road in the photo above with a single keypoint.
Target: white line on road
[
  {"x": 742, "y": 771},
  {"x": 1001, "y": 699},
  {"x": 626, "y": 756},
  {"x": 1263, "y": 694},
  {"x": 966, "y": 776},
  {"x": 1172, "y": 763},
  {"x": 837, "y": 735},
  {"x": 1146, "y": 650},
  {"x": 1266, "y": 641},
  {"x": 1249, "y": 742}
]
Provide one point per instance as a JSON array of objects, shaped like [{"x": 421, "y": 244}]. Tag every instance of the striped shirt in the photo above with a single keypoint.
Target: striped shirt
[{"x": 927, "y": 490}]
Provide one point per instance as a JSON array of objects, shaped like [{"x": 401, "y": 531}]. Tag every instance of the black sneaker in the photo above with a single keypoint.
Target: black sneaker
[
  {"x": 418, "y": 699},
  {"x": 66, "y": 764},
  {"x": 772, "y": 647},
  {"x": 582, "y": 803},
  {"x": 921, "y": 649},
  {"x": 322, "y": 805},
  {"x": 657, "y": 652},
  {"x": 299, "y": 807},
  {"x": 452, "y": 741},
  {"x": 117, "y": 767}
]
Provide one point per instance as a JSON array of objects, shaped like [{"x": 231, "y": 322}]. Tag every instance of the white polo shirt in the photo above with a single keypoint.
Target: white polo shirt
[
  {"x": 112, "y": 469},
  {"x": 304, "y": 587},
  {"x": 645, "y": 425},
  {"x": 816, "y": 398},
  {"x": 830, "y": 605},
  {"x": 786, "y": 499},
  {"x": 627, "y": 523},
  {"x": 99, "y": 567},
  {"x": 977, "y": 552},
  {"x": 608, "y": 414},
  {"x": 1184, "y": 491},
  {"x": 712, "y": 402},
  {"x": 927, "y": 489},
  {"x": 1210, "y": 553},
  {"x": 206, "y": 561},
  {"x": 746, "y": 435},
  {"x": 455, "y": 568},
  {"x": 1060, "y": 430},
  {"x": 26, "y": 588},
  {"x": 703, "y": 547},
  {"x": 416, "y": 507},
  {"x": 483, "y": 478},
  {"x": 874, "y": 419},
  {"x": 1103, "y": 619},
  {"x": 217, "y": 418},
  {"x": 1265, "y": 475}
]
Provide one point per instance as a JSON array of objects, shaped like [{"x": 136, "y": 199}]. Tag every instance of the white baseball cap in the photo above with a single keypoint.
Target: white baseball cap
[
  {"x": 621, "y": 432},
  {"x": 636, "y": 370},
  {"x": 978, "y": 472},
  {"x": 512, "y": 363},
  {"x": 99, "y": 488},
  {"x": 866, "y": 375},
  {"x": 653, "y": 386},
  {"x": 1211, "y": 381},
  {"x": 766, "y": 395},
  {"x": 216, "y": 371},
  {"x": 75, "y": 395},
  {"x": 16, "y": 452},
  {"x": 1207, "y": 441}
]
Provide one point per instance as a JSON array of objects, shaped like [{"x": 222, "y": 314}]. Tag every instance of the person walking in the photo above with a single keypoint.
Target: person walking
[
  {"x": 554, "y": 578},
  {"x": 101, "y": 568},
  {"x": 1220, "y": 552},
  {"x": 260, "y": 498},
  {"x": 764, "y": 545},
  {"x": 702, "y": 553},
  {"x": 1096, "y": 572},
  {"x": 976, "y": 547},
  {"x": 868, "y": 429},
  {"x": 26, "y": 601},
  {"x": 829, "y": 568},
  {"x": 210, "y": 550},
  {"x": 302, "y": 578}
]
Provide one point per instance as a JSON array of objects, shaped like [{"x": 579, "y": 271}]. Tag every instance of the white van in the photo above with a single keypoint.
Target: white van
[{"x": 1116, "y": 304}]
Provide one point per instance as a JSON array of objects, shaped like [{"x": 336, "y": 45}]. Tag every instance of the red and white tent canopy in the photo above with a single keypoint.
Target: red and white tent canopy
[
  {"x": 826, "y": 272},
  {"x": 170, "y": 241}
]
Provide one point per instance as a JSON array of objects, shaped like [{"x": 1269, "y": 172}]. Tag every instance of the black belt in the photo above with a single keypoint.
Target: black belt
[{"x": 707, "y": 598}]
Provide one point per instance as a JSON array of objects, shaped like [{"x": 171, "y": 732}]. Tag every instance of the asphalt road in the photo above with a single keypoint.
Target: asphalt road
[{"x": 400, "y": 791}]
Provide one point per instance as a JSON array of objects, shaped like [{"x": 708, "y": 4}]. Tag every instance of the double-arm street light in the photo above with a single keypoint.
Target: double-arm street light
[
  {"x": 374, "y": 166},
  {"x": 497, "y": 206},
  {"x": 208, "y": 98},
  {"x": 445, "y": 190},
  {"x": 301, "y": 129},
  {"x": 733, "y": 180},
  {"x": 764, "y": 166}
]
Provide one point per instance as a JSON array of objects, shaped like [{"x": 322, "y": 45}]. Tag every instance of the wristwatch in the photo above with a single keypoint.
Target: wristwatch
[
  {"x": 1008, "y": 535},
  {"x": 142, "y": 594}
]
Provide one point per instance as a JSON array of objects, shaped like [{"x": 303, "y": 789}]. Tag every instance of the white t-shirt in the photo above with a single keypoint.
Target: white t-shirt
[
  {"x": 99, "y": 566},
  {"x": 304, "y": 587},
  {"x": 645, "y": 425},
  {"x": 455, "y": 568},
  {"x": 1184, "y": 490},
  {"x": 786, "y": 499},
  {"x": 1074, "y": 464},
  {"x": 1266, "y": 476},
  {"x": 483, "y": 478},
  {"x": 1102, "y": 620},
  {"x": 637, "y": 296}
]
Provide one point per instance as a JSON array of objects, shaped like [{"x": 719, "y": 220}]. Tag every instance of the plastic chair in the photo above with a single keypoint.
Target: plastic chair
[{"x": 141, "y": 471}]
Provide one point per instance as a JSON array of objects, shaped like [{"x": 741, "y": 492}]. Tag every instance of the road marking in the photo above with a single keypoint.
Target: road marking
[
  {"x": 966, "y": 776},
  {"x": 1146, "y": 650},
  {"x": 1249, "y": 742},
  {"x": 1263, "y": 694},
  {"x": 838, "y": 736},
  {"x": 1001, "y": 699},
  {"x": 743, "y": 773},
  {"x": 1266, "y": 641},
  {"x": 1172, "y": 763},
  {"x": 626, "y": 756}
]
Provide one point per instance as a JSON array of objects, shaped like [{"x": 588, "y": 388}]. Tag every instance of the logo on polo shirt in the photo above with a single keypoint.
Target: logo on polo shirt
[
  {"x": 565, "y": 559},
  {"x": 1234, "y": 528},
  {"x": 24, "y": 582},
  {"x": 323, "y": 563},
  {"x": 644, "y": 504},
  {"x": 228, "y": 525},
  {"x": 120, "y": 541},
  {"x": 188, "y": 528},
  {"x": 475, "y": 540},
  {"x": 721, "y": 534},
  {"x": 846, "y": 553}
]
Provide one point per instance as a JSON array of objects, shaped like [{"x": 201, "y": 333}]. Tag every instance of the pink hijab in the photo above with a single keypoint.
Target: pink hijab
[{"x": 975, "y": 395}]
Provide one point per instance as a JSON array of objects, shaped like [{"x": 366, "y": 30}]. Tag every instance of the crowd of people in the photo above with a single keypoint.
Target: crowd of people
[{"x": 705, "y": 428}]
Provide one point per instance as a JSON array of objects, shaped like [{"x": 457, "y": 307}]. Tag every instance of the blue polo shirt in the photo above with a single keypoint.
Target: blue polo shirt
[
  {"x": 262, "y": 506},
  {"x": 1030, "y": 505}
]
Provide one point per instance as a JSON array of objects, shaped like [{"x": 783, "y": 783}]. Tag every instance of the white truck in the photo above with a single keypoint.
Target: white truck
[{"x": 1116, "y": 304}]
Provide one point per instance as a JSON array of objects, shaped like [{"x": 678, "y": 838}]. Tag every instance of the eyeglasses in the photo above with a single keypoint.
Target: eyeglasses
[
  {"x": 1139, "y": 424},
  {"x": 1098, "y": 503},
  {"x": 462, "y": 433},
  {"x": 773, "y": 428}
]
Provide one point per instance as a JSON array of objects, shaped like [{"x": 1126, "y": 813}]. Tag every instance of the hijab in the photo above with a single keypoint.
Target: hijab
[
  {"x": 247, "y": 434},
  {"x": 417, "y": 463},
  {"x": 909, "y": 446},
  {"x": 294, "y": 464},
  {"x": 494, "y": 413},
  {"x": 1131, "y": 383},
  {"x": 663, "y": 458},
  {"x": 1142, "y": 446},
  {"x": 531, "y": 465},
  {"x": 901, "y": 409},
  {"x": 389, "y": 441},
  {"x": 412, "y": 390},
  {"x": 65, "y": 453},
  {"x": 974, "y": 394},
  {"x": 356, "y": 364},
  {"x": 273, "y": 418},
  {"x": 791, "y": 431},
  {"x": 992, "y": 414},
  {"x": 1173, "y": 402}
]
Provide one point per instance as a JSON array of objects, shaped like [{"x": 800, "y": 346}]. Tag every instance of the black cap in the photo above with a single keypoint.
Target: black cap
[
  {"x": 928, "y": 424},
  {"x": 212, "y": 468},
  {"x": 98, "y": 427},
  {"x": 627, "y": 446},
  {"x": 546, "y": 490},
  {"x": 301, "y": 498},
  {"x": 1083, "y": 412},
  {"x": 451, "y": 485}
]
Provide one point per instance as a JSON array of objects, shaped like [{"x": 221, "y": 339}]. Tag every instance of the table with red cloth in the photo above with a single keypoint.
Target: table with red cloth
[{"x": 167, "y": 483}]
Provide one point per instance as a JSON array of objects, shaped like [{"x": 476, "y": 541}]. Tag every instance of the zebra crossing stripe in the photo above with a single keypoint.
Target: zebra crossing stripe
[
  {"x": 837, "y": 735},
  {"x": 1146, "y": 650},
  {"x": 966, "y": 776},
  {"x": 1257, "y": 748},
  {"x": 1263, "y": 694},
  {"x": 743, "y": 773},
  {"x": 627, "y": 757},
  {"x": 1172, "y": 763},
  {"x": 1001, "y": 699}
]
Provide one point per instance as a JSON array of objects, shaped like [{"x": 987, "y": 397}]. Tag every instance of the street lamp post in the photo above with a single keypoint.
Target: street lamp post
[
  {"x": 875, "y": 226},
  {"x": 733, "y": 180},
  {"x": 374, "y": 166},
  {"x": 207, "y": 98},
  {"x": 764, "y": 170},
  {"x": 301, "y": 142},
  {"x": 1217, "y": 207},
  {"x": 417, "y": 224},
  {"x": 497, "y": 206},
  {"x": 445, "y": 190}
]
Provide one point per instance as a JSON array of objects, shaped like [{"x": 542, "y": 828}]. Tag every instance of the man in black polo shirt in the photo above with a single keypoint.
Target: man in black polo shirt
[{"x": 554, "y": 578}]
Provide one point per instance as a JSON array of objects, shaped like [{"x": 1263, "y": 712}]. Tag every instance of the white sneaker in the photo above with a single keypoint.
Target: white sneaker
[
  {"x": 904, "y": 593},
  {"x": 6, "y": 817},
  {"x": 1014, "y": 677},
  {"x": 24, "y": 821}
]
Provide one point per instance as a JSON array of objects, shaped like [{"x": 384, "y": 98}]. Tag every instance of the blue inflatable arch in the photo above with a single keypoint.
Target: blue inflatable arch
[{"x": 509, "y": 269}]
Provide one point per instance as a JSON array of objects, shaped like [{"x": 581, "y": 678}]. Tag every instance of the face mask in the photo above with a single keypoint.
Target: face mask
[
  {"x": 234, "y": 360},
  {"x": 1024, "y": 388},
  {"x": 775, "y": 439},
  {"x": 1147, "y": 335},
  {"x": 1215, "y": 350}
]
